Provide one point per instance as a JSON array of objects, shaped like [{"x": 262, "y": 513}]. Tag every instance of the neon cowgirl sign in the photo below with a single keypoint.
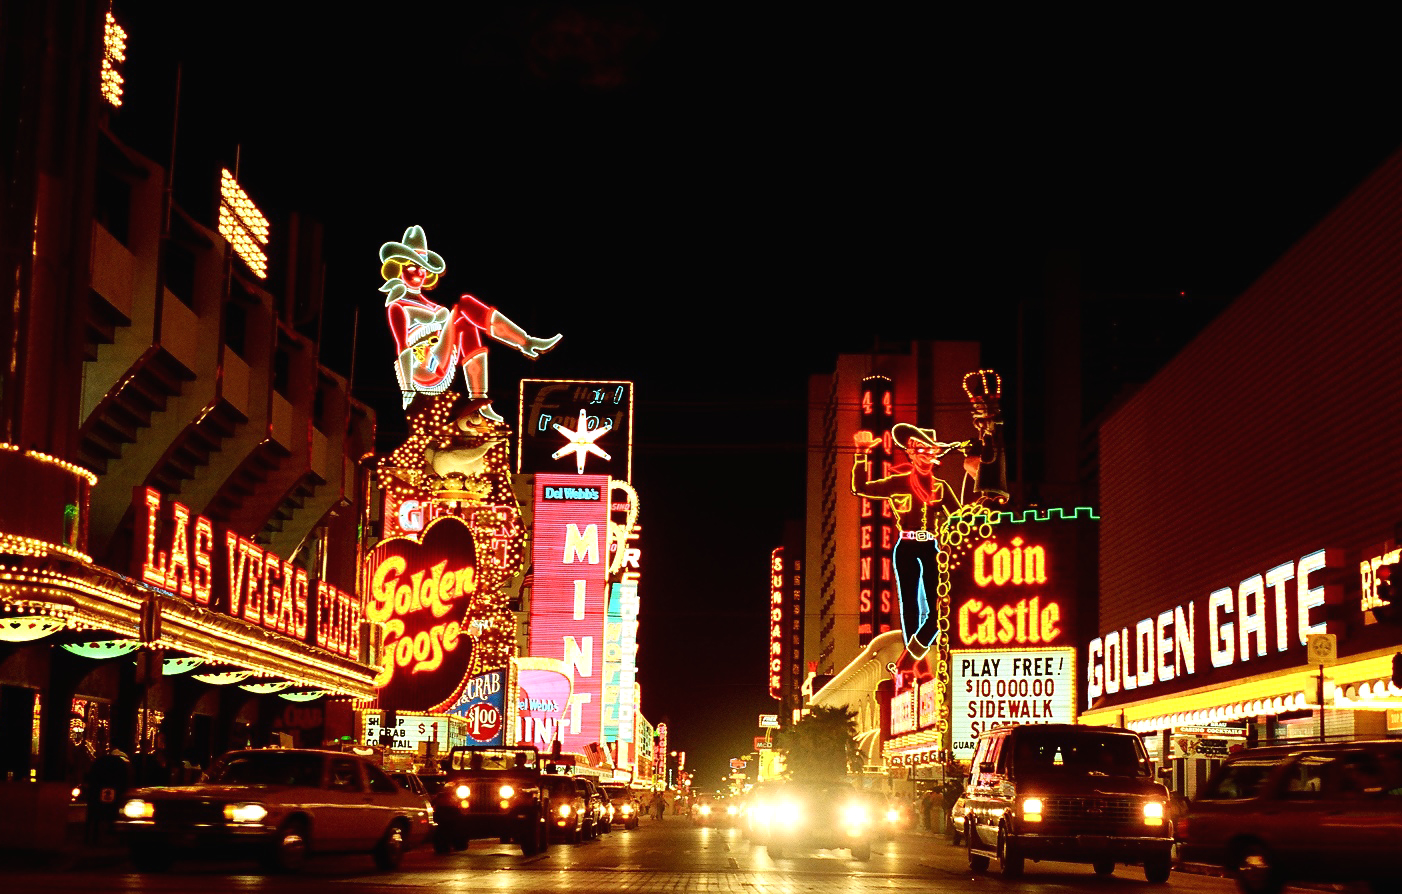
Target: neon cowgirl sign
[{"x": 181, "y": 554}]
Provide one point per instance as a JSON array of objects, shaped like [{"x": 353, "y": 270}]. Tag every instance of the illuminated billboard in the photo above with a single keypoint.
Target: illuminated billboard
[
  {"x": 576, "y": 426},
  {"x": 876, "y": 526},
  {"x": 543, "y": 690},
  {"x": 484, "y": 707},
  {"x": 776, "y": 623},
  {"x": 181, "y": 553},
  {"x": 425, "y": 593},
  {"x": 569, "y": 594},
  {"x": 993, "y": 689},
  {"x": 1017, "y": 588}
]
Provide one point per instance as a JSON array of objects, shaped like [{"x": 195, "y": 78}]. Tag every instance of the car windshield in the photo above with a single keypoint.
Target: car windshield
[
  {"x": 560, "y": 786},
  {"x": 268, "y": 768},
  {"x": 615, "y": 792},
  {"x": 1078, "y": 752},
  {"x": 1239, "y": 779},
  {"x": 494, "y": 759}
]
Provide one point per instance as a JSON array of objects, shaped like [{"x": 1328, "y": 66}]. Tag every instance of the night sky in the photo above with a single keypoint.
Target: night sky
[{"x": 713, "y": 200}]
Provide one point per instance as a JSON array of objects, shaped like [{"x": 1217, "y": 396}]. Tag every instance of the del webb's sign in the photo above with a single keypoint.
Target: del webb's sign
[{"x": 180, "y": 553}]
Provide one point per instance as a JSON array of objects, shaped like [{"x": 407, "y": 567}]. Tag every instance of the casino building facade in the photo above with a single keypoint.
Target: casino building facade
[
  {"x": 1250, "y": 493},
  {"x": 178, "y": 536}
]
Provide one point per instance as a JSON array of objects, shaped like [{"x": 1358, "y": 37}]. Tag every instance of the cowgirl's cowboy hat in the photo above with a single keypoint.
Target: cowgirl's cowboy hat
[{"x": 414, "y": 249}]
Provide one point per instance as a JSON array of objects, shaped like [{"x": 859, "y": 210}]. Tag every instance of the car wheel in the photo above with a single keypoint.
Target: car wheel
[
  {"x": 150, "y": 859},
  {"x": 977, "y": 862},
  {"x": 1010, "y": 862},
  {"x": 861, "y": 851},
  {"x": 1105, "y": 867},
  {"x": 289, "y": 848},
  {"x": 1157, "y": 869},
  {"x": 1255, "y": 869},
  {"x": 442, "y": 841},
  {"x": 775, "y": 851},
  {"x": 389, "y": 853}
]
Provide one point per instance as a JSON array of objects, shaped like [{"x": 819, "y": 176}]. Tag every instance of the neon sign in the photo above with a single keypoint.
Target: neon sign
[
  {"x": 425, "y": 595},
  {"x": 432, "y": 340},
  {"x": 1270, "y": 613},
  {"x": 181, "y": 554},
  {"x": 776, "y": 622},
  {"x": 580, "y": 424},
  {"x": 876, "y": 531},
  {"x": 569, "y": 599},
  {"x": 1024, "y": 622},
  {"x": 996, "y": 566}
]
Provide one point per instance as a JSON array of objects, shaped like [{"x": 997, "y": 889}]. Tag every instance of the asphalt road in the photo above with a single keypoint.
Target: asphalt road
[{"x": 670, "y": 855}]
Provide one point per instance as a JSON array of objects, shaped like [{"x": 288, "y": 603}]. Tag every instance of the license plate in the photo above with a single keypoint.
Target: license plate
[{"x": 1093, "y": 840}]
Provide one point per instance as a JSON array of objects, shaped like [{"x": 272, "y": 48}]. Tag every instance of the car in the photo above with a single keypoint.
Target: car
[
  {"x": 277, "y": 805},
  {"x": 1311, "y": 812},
  {"x": 599, "y": 805},
  {"x": 567, "y": 805},
  {"x": 954, "y": 825},
  {"x": 1060, "y": 791},
  {"x": 829, "y": 814},
  {"x": 409, "y": 781},
  {"x": 625, "y": 805},
  {"x": 492, "y": 792},
  {"x": 754, "y": 810},
  {"x": 710, "y": 811}
]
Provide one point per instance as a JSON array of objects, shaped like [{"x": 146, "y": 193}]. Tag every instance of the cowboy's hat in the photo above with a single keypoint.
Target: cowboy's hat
[
  {"x": 903, "y": 433},
  {"x": 413, "y": 248}
]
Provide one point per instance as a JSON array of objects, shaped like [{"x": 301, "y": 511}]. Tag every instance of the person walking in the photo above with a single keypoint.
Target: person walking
[{"x": 107, "y": 783}]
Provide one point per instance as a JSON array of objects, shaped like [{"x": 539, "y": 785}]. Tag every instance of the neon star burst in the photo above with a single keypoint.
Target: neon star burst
[{"x": 581, "y": 441}]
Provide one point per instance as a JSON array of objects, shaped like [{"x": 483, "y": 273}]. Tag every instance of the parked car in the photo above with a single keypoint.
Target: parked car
[
  {"x": 807, "y": 815},
  {"x": 276, "y": 805},
  {"x": 625, "y": 805},
  {"x": 599, "y": 806},
  {"x": 954, "y": 825},
  {"x": 1080, "y": 794},
  {"x": 567, "y": 806},
  {"x": 1307, "y": 812}
]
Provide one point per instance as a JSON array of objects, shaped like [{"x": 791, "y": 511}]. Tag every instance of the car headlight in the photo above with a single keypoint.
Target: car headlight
[
  {"x": 786, "y": 813},
  {"x": 627, "y": 809},
  {"x": 462, "y": 792},
  {"x": 732, "y": 810},
  {"x": 1032, "y": 810},
  {"x": 505, "y": 792},
  {"x": 705, "y": 809},
  {"x": 564, "y": 810},
  {"x": 245, "y": 813},
  {"x": 138, "y": 810},
  {"x": 854, "y": 815},
  {"x": 1153, "y": 813}
]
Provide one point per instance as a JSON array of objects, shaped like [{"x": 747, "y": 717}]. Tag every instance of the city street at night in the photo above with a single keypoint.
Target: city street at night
[{"x": 667, "y": 856}]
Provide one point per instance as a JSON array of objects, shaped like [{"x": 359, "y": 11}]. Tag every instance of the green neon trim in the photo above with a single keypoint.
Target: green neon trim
[
  {"x": 108, "y": 648},
  {"x": 1086, "y": 513}
]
